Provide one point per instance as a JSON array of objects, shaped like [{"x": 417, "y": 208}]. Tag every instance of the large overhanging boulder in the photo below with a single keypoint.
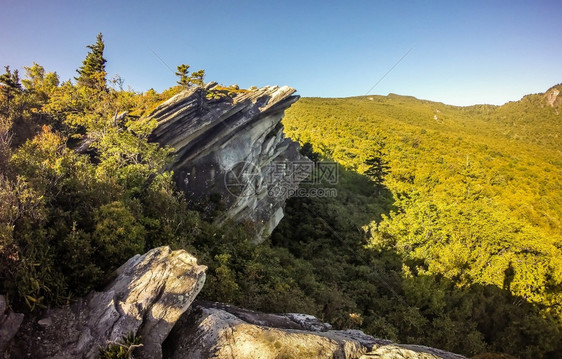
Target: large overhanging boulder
[{"x": 232, "y": 148}]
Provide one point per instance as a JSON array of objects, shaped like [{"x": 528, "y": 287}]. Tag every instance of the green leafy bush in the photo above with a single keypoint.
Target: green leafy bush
[{"x": 122, "y": 349}]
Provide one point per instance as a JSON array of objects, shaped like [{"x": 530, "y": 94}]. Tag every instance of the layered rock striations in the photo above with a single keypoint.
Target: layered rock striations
[
  {"x": 148, "y": 296},
  {"x": 230, "y": 147},
  {"x": 219, "y": 331},
  {"x": 153, "y": 296}
]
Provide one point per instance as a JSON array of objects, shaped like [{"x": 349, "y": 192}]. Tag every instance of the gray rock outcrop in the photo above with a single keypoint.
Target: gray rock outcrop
[
  {"x": 214, "y": 330},
  {"x": 153, "y": 296},
  {"x": 9, "y": 324},
  {"x": 147, "y": 297},
  {"x": 230, "y": 146},
  {"x": 552, "y": 98}
]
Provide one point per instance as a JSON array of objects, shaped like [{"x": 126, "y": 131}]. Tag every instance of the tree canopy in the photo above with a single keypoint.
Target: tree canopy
[
  {"x": 92, "y": 72},
  {"x": 465, "y": 227},
  {"x": 190, "y": 80}
]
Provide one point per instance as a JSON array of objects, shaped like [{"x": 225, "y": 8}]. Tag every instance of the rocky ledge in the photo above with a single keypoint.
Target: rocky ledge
[
  {"x": 230, "y": 148},
  {"x": 148, "y": 296},
  {"x": 216, "y": 330},
  {"x": 153, "y": 296}
]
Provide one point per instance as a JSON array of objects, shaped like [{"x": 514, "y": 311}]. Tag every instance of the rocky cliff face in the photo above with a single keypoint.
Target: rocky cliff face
[
  {"x": 552, "y": 96},
  {"x": 153, "y": 296},
  {"x": 147, "y": 297},
  {"x": 220, "y": 331},
  {"x": 230, "y": 148},
  {"x": 9, "y": 324}
]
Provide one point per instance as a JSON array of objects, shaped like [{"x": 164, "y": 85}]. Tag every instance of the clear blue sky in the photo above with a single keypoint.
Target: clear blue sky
[{"x": 462, "y": 53}]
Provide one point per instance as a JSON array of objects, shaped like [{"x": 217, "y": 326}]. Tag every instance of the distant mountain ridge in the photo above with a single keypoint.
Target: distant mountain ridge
[{"x": 514, "y": 120}]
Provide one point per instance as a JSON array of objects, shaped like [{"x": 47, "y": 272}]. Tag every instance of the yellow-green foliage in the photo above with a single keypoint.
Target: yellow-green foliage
[
  {"x": 219, "y": 92},
  {"x": 68, "y": 219},
  {"x": 478, "y": 189},
  {"x": 234, "y": 89},
  {"x": 122, "y": 349},
  {"x": 477, "y": 205}
]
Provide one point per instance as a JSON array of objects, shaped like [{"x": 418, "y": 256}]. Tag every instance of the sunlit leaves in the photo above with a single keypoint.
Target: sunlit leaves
[{"x": 478, "y": 208}]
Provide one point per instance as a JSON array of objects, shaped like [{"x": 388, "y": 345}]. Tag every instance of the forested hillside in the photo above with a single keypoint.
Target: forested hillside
[{"x": 469, "y": 248}]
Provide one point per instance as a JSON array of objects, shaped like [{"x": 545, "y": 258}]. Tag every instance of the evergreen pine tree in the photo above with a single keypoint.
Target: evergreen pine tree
[
  {"x": 10, "y": 83},
  {"x": 187, "y": 80},
  {"x": 196, "y": 78},
  {"x": 183, "y": 73},
  {"x": 92, "y": 73},
  {"x": 377, "y": 169}
]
